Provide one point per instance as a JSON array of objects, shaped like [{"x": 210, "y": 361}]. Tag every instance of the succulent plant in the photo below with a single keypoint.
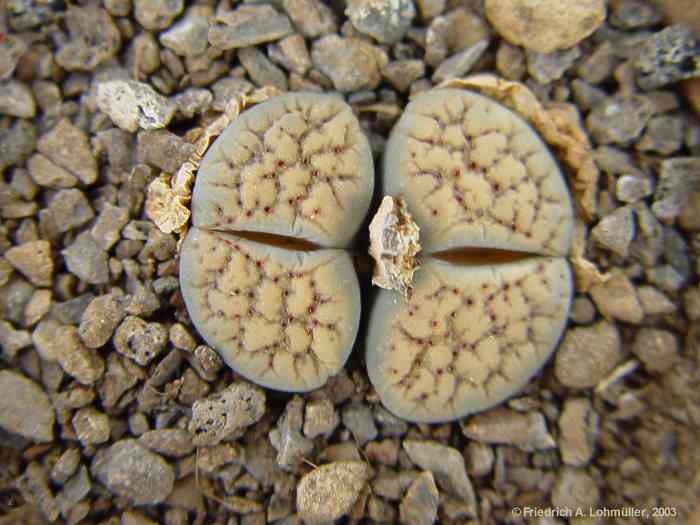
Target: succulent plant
[
  {"x": 491, "y": 300},
  {"x": 285, "y": 188},
  {"x": 296, "y": 174}
]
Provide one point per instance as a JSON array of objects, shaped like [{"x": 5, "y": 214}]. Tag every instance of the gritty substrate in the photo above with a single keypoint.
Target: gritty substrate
[{"x": 103, "y": 372}]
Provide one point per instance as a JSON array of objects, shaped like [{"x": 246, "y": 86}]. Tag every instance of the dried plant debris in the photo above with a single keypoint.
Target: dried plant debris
[
  {"x": 394, "y": 244},
  {"x": 475, "y": 176},
  {"x": 284, "y": 316}
]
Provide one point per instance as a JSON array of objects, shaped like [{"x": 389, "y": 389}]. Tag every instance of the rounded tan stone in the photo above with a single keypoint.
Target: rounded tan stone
[
  {"x": 284, "y": 318},
  {"x": 545, "y": 25},
  {"x": 296, "y": 165},
  {"x": 469, "y": 337},
  {"x": 475, "y": 174}
]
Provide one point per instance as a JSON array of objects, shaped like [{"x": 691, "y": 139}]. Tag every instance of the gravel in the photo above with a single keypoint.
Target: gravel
[
  {"x": 446, "y": 465},
  {"x": 248, "y": 25},
  {"x": 139, "y": 340},
  {"x": 320, "y": 418},
  {"x": 668, "y": 56},
  {"x": 25, "y": 409},
  {"x": 617, "y": 299},
  {"x": 549, "y": 24},
  {"x": 615, "y": 232},
  {"x": 350, "y": 64},
  {"x": 386, "y": 22},
  {"x": 170, "y": 442},
  {"x": 656, "y": 349},
  {"x": 460, "y": 63},
  {"x": 157, "y": 14},
  {"x": 130, "y": 471},
  {"x": 588, "y": 354},
  {"x": 504, "y": 426},
  {"x": 619, "y": 121},
  {"x": 358, "y": 419},
  {"x": 16, "y": 100},
  {"x": 579, "y": 426},
  {"x": 419, "y": 505},
  {"x": 91, "y": 426},
  {"x": 328, "y": 492},
  {"x": 216, "y": 417},
  {"x": 69, "y": 147},
  {"x": 133, "y": 105},
  {"x": 116, "y": 409},
  {"x": 87, "y": 260},
  {"x": 33, "y": 260},
  {"x": 287, "y": 438}
]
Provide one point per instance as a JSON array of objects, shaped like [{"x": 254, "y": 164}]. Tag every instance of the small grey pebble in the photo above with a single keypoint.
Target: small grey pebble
[
  {"x": 357, "y": 417},
  {"x": 65, "y": 466},
  {"x": 132, "y": 105},
  {"x": 129, "y": 470},
  {"x": 656, "y": 349},
  {"x": 87, "y": 260},
  {"x": 107, "y": 228},
  {"x": 25, "y": 409},
  {"x": 668, "y": 56},
  {"x": 312, "y": 18},
  {"x": 634, "y": 14},
  {"x": 588, "y": 354},
  {"x": 579, "y": 425},
  {"x": 419, "y": 505},
  {"x": 156, "y": 15},
  {"x": 320, "y": 418},
  {"x": 189, "y": 36},
  {"x": 351, "y": 64},
  {"x": 460, "y": 63},
  {"x": 171, "y": 442},
  {"x": 631, "y": 188},
  {"x": 139, "y": 340},
  {"x": 287, "y": 438},
  {"x": 615, "y": 232},
  {"x": 248, "y": 25},
  {"x": 91, "y": 426},
  {"x": 68, "y": 209},
  {"x": 260, "y": 70},
  {"x": 216, "y": 417},
  {"x": 664, "y": 134},
  {"x": 546, "y": 67},
  {"x": 619, "y": 121},
  {"x": 100, "y": 318},
  {"x": 386, "y": 22},
  {"x": 447, "y": 465}
]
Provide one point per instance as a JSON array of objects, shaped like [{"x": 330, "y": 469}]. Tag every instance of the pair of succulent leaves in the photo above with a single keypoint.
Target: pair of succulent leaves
[{"x": 283, "y": 191}]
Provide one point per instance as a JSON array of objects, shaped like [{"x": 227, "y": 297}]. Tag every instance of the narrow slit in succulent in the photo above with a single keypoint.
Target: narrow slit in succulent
[
  {"x": 479, "y": 256},
  {"x": 279, "y": 241}
]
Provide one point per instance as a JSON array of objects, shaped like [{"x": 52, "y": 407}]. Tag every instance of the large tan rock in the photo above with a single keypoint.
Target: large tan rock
[{"x": 545, "y": 25}]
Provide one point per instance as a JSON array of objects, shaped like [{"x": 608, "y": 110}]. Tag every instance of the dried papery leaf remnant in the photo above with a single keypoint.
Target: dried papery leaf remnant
[
  {"x": 488, "y": 308},
  {"x": 394, "y": 244}
]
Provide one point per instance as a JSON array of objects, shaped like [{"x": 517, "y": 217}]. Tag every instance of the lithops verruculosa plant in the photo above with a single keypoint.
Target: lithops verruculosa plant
[
  {"x": 491, "y": 299},
  {"x": 265, "y": 280}
]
